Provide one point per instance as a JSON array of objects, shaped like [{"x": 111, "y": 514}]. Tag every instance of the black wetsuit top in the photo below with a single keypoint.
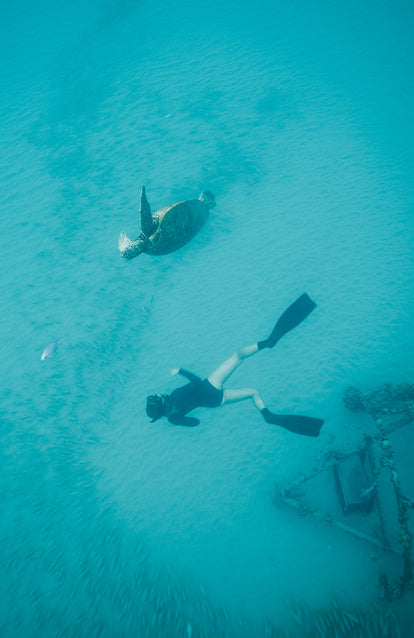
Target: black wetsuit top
[{"x": 198, "y": 393}]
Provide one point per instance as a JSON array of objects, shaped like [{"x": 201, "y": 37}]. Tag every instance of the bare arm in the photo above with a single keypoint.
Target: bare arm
[{"x": 185, "y": 373}]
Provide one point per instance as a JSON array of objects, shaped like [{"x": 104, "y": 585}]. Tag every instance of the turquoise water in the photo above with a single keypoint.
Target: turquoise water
[{"x": 298, "y": 116}]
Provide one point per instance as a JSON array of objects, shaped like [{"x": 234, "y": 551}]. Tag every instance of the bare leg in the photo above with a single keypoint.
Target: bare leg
[
  {"x": 234, "y": 396},
  {"x": 222, "y": 373}
]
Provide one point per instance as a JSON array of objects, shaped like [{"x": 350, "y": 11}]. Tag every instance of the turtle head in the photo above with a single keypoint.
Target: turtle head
[{"x": 208, "y": 199}]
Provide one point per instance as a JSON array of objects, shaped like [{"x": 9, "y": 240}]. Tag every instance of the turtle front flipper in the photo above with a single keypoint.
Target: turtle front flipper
[
  {"x": 129, "y": 249},
  {"x": 146, "y": 221}
]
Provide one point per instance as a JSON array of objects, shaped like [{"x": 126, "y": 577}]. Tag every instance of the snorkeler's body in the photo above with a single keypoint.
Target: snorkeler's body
[
  {"x": 210, "y": 393},
  {"x": 199, "y": 393}
]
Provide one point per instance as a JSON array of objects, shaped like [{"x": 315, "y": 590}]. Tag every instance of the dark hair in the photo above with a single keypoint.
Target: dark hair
[{"x": 155, "y": 406}]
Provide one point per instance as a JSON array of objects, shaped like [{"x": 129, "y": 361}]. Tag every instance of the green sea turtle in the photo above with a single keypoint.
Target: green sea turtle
[{"x": 169, "y": 228}]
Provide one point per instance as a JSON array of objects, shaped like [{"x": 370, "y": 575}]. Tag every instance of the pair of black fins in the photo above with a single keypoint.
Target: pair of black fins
[{"x": 292, "y": 317}]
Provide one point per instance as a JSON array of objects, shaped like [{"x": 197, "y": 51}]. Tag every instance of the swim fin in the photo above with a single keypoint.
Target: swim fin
[
  {"x": 292, "y": 317},
  {"x": 306, "y": 425}
]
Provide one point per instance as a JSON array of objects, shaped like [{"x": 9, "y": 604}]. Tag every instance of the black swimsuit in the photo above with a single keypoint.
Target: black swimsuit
[{"x": 196, "y": 394}]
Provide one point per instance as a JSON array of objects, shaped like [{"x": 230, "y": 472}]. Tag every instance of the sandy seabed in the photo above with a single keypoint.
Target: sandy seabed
[{"x": 300, "y": 123}]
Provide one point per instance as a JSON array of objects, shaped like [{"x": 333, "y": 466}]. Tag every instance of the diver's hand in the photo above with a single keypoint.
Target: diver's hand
[{"x": 174, "y": 371}]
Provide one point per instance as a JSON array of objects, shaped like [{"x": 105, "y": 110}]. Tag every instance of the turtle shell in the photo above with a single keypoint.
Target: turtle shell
[{"x": 177, "y": 225}]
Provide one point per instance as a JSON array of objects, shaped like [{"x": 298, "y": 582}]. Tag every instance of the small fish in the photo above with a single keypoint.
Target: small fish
[
  {"x": 51, "y": 349},
  {"x": 368, "y": 491}
]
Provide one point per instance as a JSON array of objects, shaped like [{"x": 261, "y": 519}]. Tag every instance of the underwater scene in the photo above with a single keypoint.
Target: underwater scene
[{"x": 273, "y": 242}]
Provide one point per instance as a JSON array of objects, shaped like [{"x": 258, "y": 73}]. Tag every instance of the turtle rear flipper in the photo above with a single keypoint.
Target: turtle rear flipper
[
  {"x": 123, "y": 242},
  {"x": 129, "y": 249}
]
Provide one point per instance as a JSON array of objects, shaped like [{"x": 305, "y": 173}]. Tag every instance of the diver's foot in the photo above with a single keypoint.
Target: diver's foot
[
  {"x": 269, "y": 417},
  {"x": 266, "y": 343}
]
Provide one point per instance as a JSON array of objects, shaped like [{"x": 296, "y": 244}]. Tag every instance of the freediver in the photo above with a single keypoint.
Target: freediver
[{"x": 209, "y": 392}]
